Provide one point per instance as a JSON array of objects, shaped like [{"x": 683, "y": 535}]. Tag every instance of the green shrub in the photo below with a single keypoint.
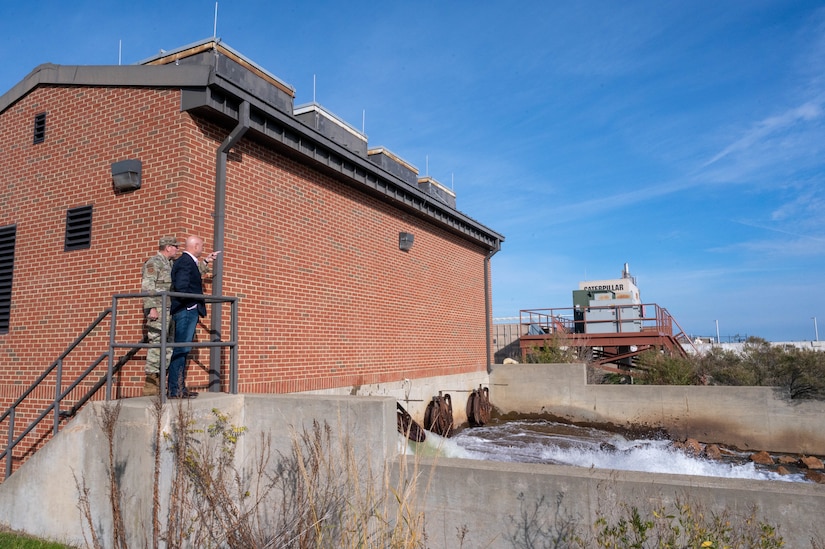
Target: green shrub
[
  {"x": 682, "y": 524},
  {"x": 723, "y": 367},
  {"x": 556, "y": 351},
  {"x": 799, "y": 372},
  {"x": 661, "y": 369},
  {"x": 802, "y": 373}
]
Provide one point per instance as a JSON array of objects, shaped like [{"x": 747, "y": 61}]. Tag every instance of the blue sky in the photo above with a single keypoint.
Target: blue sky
[{"x": 685, "y": 138}]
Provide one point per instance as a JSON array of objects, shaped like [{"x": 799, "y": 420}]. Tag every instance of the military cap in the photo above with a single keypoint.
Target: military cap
[{"x": 168, "y": 241}]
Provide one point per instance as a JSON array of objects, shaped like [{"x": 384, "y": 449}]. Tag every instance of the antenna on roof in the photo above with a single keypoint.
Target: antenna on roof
[
  {"x": 215, "y": 25},
  {"x": 119, "y": 51},
  {"x": 427, "y": 165},
  {"x": 313, "y": 88},
  {"x": 364, "y": 122}
]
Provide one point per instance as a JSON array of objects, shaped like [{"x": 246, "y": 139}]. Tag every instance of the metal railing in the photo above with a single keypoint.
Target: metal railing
[
  {"x": 623, "y": 319},
  {"x": 164, "y": 344},
  {"x": 58, "y": 397},
  {"x": 113, "y": 366}
]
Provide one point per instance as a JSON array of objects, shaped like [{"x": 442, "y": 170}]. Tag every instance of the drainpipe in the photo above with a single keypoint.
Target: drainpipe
[
  {"x": 218, "y": 242},
  {"x": 488, "y": 310}
]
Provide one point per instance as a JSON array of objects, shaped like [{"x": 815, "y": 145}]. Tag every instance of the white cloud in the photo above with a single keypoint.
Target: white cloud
[{"x": 762, "y": 130}]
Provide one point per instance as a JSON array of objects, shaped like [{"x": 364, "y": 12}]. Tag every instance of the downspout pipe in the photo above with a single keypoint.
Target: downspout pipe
[
  {"x": 488, "y": 309},
  {"x": 218, "y": 242}
]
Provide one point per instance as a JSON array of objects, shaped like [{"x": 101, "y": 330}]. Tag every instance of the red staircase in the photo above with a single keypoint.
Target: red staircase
[{"x": 613, "y": 344}]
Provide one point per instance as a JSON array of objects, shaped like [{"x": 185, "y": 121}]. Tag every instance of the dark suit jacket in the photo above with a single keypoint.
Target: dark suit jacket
[{"x": 186, "y": 278}]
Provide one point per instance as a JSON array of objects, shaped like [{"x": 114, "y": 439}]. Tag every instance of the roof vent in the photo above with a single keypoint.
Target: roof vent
[
  {"x": 385, "y": 159},
  {"x": 332, "y": 127},
  {"x": 437, "y": 190}
]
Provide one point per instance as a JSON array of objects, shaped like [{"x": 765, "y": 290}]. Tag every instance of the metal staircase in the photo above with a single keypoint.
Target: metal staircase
[
  {"x": 112, "y": 366},
  {"x": 54, "y": 408},
  {"x": 613, "y": 344}
]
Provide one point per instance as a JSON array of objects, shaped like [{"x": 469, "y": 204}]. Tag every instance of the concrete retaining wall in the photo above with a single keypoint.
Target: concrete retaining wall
[
  {"x": 499, "y": 501},
  {"x": 493, "y": 500},
  {"x": 42, "y": 496},
  {"x": 415, "y": 394},
  {"x": 757, "y": 418}
]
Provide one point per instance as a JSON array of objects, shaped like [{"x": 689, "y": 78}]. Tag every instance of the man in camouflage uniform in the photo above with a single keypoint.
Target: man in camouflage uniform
[{"x": 157, "y": 277}]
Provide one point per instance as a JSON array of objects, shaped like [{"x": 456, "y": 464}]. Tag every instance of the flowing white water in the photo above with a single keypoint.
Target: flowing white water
[{"x": 539, "y": 441}]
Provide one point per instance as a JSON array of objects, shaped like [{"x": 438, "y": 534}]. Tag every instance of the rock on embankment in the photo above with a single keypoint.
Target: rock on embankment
[{"x": 811, "y": 466}]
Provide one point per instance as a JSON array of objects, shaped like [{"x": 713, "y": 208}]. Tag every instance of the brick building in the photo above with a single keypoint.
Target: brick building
[{"x": 309, "y": 220}]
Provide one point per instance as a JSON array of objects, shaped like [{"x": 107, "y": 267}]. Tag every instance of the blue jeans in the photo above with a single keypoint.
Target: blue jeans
[{"x": 185, "y": 323}]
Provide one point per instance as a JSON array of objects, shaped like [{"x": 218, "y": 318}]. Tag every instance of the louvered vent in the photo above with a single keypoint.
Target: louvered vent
[
  {"x": 39, "y": 128},
  {"x": 8, "y": 236},
  {"x": 78, "y": 228}
]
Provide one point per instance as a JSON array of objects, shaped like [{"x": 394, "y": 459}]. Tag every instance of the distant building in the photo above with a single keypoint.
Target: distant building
[{"x": 316, "y": 228}]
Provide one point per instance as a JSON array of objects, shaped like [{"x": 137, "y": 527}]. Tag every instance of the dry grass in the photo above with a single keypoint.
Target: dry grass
[{"x": 320, "y": 494}]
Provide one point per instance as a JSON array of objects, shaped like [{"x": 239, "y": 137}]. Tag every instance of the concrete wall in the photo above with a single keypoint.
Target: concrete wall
[
  {"x": 495, "y": 501},
  {"x": 486, "y": 497},
  {"x": 757, "y": 418},
  {"x": 415, "y": 394},
  {"x": 41, "y": 497},
  {"x": 506, "y": 341}
]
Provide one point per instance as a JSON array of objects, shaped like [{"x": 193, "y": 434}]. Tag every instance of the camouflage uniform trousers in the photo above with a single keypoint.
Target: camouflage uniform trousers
[{"x": 152, "y": 332}]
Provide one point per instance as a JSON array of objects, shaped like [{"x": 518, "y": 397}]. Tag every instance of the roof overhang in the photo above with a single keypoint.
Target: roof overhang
[{"x": 214, "y": 81}]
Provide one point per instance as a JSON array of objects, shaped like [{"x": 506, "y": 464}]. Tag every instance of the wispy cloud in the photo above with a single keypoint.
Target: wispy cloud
[
  {"x": 768, "y": 250},
  {"x": 804, "y": 210},
  {"x": 764, "y": 129},
  {"x": 760, "y": 143}
]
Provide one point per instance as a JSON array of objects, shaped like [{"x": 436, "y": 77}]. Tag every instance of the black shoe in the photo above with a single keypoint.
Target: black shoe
[
  {"x": 190, "y": 394},
  {"x": 185, "y": 394}
]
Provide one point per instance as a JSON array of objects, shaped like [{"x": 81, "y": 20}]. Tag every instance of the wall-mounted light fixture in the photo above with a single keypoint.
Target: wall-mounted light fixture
[
  {"x": 126, "y": 175},
  {"x": 405, "y": 241}
]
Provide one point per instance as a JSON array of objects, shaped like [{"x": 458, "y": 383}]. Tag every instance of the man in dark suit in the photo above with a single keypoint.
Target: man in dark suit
[{"x": 186, "y": 278}]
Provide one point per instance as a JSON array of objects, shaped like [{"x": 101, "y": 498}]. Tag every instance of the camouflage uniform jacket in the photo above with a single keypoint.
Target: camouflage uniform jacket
[{"x": 156, "y": 277}]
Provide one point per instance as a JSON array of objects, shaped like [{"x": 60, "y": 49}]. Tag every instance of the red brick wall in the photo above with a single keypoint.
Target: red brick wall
[
  {"x": 57, "y": 294},
  {"x": 326, "y": 297}
]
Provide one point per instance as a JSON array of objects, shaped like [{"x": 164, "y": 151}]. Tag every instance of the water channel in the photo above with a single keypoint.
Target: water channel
[{"x": 544, "y": 441}]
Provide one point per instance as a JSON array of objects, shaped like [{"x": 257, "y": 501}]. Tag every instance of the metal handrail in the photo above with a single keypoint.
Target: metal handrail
[
  {"x": 54, "y": 364},
  {"x": 562, "y": 319},
  {"x": 114, "y": 367},
  {"x": 682, "y": 335},
  {"x": 164, "y": 344},
  {"x": 55, "y": 405}
]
